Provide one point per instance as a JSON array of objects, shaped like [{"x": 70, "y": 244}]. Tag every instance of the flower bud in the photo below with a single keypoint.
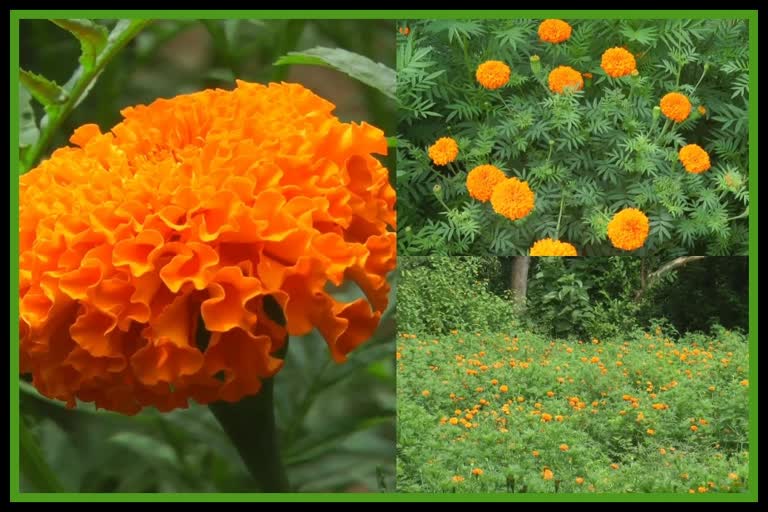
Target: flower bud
[{"x": 535, "y": 64}]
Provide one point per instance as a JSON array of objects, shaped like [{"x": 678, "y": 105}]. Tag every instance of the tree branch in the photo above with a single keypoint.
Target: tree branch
[{"x": 669, "y": 266}]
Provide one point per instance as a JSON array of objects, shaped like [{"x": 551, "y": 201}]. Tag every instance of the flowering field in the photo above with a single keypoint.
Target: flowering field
[
  {"x": 521, "y": 413},
  {"x": 573, "y": 137}
]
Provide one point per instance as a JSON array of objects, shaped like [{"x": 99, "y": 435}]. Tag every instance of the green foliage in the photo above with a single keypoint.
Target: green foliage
[
  {"x": 377, "y": 75},
  {"x": 594, "y": 151},
  {"x": 593, "y": 431},
  {"x": 440, "y": 294}
]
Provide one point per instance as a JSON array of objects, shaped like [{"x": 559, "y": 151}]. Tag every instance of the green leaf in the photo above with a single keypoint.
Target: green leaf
[
  {"x": 47, "y": 92},
  {"x": 361, "y": 68},
  {"x": 151, "y": 450},
  {"x": 28, "y": 129},
  {"x": 33, "y": 466},
  {"x": 92, "y": 37}
]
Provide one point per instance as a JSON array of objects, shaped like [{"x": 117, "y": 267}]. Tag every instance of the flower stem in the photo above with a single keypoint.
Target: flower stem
[
  {"x": 250, "y": 425},
  {"x": 560, "y": 216}
]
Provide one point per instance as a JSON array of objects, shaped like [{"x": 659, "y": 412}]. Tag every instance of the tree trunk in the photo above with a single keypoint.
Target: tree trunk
[
  {"x": 648, "y": 281},
  {"x": 519, "y": 281}
]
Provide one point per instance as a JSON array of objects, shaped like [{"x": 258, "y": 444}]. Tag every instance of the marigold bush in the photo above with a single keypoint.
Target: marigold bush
[
  {"x": 609, "y": 144},
  {"x": 224, "y": 210}
]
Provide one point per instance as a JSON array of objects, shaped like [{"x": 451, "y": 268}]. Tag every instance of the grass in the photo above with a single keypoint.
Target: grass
[{"x": 522, "y": 413}]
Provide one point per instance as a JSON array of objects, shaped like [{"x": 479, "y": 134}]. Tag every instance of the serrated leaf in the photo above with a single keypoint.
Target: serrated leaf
[
  {"x": 92, "y": 37},
  {"x": 47, "y": 92},
  {"x": 361, "y": 68},
  {"x": 28, "y": 129}
]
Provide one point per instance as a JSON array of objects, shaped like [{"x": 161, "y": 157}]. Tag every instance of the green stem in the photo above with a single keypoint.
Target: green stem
[
  {"x": 700, "y": 79},
  {"x": 250, "y": 424},
  {"x": 661, "y": 133},
  {"x": 292, "y": 32},
  {"x": 466, "y": 56},
  {"x": 560, "y": 216},
  {"x": 80, "y": 85}
]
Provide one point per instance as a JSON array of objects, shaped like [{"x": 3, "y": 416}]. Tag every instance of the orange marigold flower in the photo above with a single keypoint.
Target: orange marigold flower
[
  {"x": 628, "y": 229},
  {"x": 564, "y": 447},
  {"x": 675, "y": 106},
  {"x": 694, "y": 428},
  {"x": 443, "y": 151},
  {"x": 223, "y": 212},
  {"x": 587, "y": 75},
  {"x": 694, "y": 158},
  {"x": 547, "y": 474},
  {"x": 618, "y": 62},
  {"x": 453, "y": 421},
  {"x": 535, "y": 453},
  {"x": 404, "y": 30},
  {"x": 477, "y": 471},
  {"x": 426, "y": 392},
  {"x": 492, "y": 74},
  {"x": 614, "y": 466},
  {"x": 563, "y": 77},
  {"x": 546, "y": 417},
  {"x": 482, "y": 180},
  {"x": 702, "y": 109},
  {"x": 457, "y": 479},
  {"x": 579, "y": 480},
  {"x": 550, "y": 247},
  {"x": 503, "y": 388},
  {"x": 744, "y": 383},
  {"x": 512, "y": 198},
  {"x": 554, "y": 31}
]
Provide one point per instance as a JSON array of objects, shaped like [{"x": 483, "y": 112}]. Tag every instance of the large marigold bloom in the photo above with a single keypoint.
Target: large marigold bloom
[
  {"x": 565, "y": 76},
  {"x": 220, "y": 209},
  {"x": 676, "y": 106},
  {"x": 492, "y": 74},
  {"x": 443, "y": 151},
  {"x": 617, "y": 62},
  {"x": 482, "y": 180},
  {"x": 554, "y": 31},
  {"x": 550, "y": 247},
  {"x": 512, "y": 198},
  {"x": 694, "y": 158},
  {"x": 628, "y": 229}
]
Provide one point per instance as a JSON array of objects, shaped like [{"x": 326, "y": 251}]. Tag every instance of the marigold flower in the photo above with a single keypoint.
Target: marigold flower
[
  {"x": 443, "y": 151},
  {"x": 547, "y": 474},
  {"x": 675, "y": 106},
  {"x": 404, "y": 30},
  {"x": 579, "y": 480},
  {"x": 453, "y": 421},
  {"x": 563, "y": 77},
  {"x": 733, "y": 476},
  {"x": 426, "y": 393},
  {"x": 482, "y": 180},
  {"x": 702, "y": 109},
  {"x": 457, "y": 479},
  {"x": 220, "y": 209},
  {"x": 492, "y": 74},
  {"x": 477, "y": 471},
  {"x": 628, "y": 229},
  {"x": 503, "y": 388},
  {"x": 614, "y": 466},
  {"x": 564, "y": 447},
  {"x": 535, "y": 453},
  {"x": 694, "y": 158},
  {"x": 694, "y": 428},
  {"x": 554, "y": 31},
  {"x": 550, "y": 247},
  {"x": 546, "y": 417},
  {"x": 618, "y": 62},
  {"x": 512, "y": 198}
]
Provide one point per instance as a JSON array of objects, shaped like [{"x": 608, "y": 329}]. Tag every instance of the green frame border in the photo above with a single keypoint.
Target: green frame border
[{"x": 15, "y": 495}]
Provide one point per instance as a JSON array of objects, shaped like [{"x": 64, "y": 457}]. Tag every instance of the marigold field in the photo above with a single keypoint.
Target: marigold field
[{"x": 522, "y": 413}]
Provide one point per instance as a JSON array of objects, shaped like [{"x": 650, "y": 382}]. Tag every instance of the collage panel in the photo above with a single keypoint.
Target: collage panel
[
  {"x": 588, "y": 137},
  {"x": 525, "y": 375},
  {"x": 206, "y": 247}
]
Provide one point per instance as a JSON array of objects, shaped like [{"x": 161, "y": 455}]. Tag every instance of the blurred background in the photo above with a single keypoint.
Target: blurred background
[{"x": 336, "y": 421}]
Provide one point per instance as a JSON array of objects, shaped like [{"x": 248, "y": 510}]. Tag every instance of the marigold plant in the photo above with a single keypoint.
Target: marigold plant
[
  {"x": 618, "y": 62},
  {"x": 443, "y": 151},
  {"x": 549, "y": 247},
  {"x": 563, "y": 77},
  {"x": 694, "y": 158},
  {"x": 226, "y": 212},
  {"x": 583, "y": 123},
  {"x": 492, "y": 74},
  {"x": 554, "y": 31},
  {"x": 675, "y": 106},
  {"x": 512, "y": 199}
]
